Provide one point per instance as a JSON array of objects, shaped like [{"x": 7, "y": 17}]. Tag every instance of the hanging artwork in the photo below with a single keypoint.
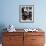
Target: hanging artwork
[{"x": 26, "y": 13}]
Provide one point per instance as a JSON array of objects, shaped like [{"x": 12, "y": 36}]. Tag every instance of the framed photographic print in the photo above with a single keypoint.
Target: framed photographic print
[{"x": 26, "y": 13}]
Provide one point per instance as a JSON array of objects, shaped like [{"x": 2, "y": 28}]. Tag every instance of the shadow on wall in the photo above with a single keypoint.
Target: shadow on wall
[{"x": 2, "y": 26}]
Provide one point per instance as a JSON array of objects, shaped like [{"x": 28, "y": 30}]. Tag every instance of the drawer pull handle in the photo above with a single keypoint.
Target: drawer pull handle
[{"x": 33, "y": 39}]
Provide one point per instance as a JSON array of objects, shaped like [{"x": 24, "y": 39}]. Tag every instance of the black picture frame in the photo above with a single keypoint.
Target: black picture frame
[{"x": 26, "y": 13}]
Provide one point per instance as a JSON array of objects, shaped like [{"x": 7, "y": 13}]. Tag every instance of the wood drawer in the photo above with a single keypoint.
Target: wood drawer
[
  {"x": 12, "y": 39},
  {"x": 37, "y": 44},
  {"x": 13, "y": 33},
  {"x": 13, "y": 44},
  {"x": 34, "y": 33},
  {"x": 37, "y": 39}
]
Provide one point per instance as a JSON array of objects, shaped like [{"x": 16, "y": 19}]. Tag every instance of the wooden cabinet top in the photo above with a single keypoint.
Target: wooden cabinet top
[{"x": 23, "y": 33}]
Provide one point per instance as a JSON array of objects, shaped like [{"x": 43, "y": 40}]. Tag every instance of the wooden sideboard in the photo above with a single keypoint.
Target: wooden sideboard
[{"x": 23, "y": 39}]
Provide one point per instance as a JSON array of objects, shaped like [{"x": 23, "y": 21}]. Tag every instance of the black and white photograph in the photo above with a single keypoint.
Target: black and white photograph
[{"x": 26, "y": 13}]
